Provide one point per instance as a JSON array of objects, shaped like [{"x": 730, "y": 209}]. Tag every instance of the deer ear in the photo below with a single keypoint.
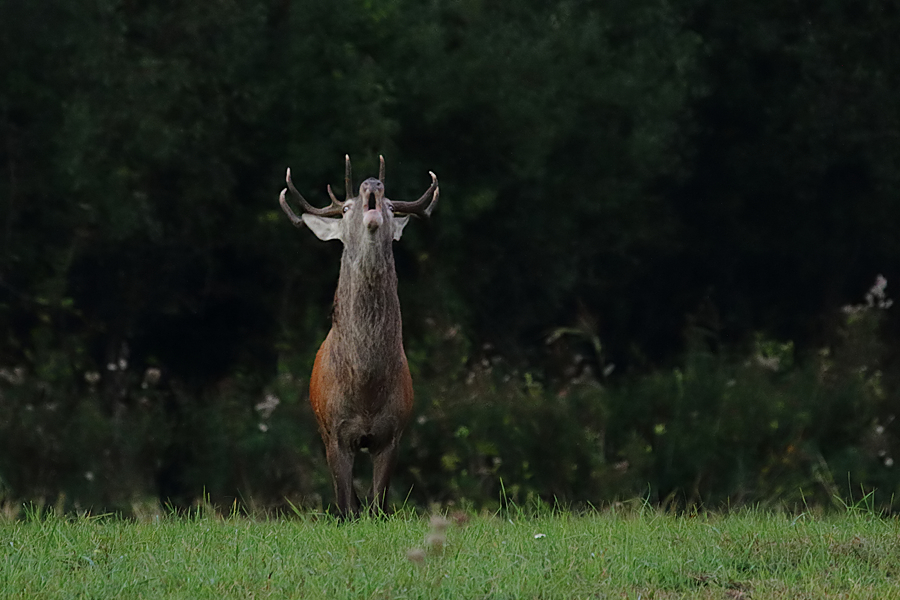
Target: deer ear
[
  {"x": 399, "y": 224},
  {"x": 325, "y": 229}
]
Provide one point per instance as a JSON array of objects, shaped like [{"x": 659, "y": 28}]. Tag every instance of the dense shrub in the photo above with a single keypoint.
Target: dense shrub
[{"x": 723, "y": 428}]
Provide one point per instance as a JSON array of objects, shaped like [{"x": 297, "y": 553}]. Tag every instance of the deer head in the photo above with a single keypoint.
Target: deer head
[{"x": 367, "y": 217}]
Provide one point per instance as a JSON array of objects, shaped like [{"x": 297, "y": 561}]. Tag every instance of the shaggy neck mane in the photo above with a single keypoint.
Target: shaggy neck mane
[{"x": 366, "y": 321}]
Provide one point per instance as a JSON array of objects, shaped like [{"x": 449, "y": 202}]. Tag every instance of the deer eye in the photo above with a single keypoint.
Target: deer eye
[{"x": 346, "y": 208}]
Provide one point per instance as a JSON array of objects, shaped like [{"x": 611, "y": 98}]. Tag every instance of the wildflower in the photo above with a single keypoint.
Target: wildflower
[
  {"x": 92, "y": 377},
  {"x": 768, "y": 362},
  {"x": 538, "y": 536},
  {"x": 439, "y": 524},
  {"x": 876, "y": 296},
  {"x": 14, "y": 376},
  {"x": 152, "y": 376},
  {"x": 416, "y": 555},
  {"x": 435, "y": 541},
  {"x": 268, "y": 405}
]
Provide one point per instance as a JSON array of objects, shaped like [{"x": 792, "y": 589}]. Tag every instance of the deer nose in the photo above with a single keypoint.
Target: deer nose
[{"x": 371, "y": 186}]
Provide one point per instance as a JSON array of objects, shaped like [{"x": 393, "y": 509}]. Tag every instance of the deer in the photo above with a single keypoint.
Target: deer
[{"x": 361, "y": 389}]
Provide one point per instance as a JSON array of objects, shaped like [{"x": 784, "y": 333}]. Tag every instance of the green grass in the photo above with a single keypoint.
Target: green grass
[{"x": 611, "y": 554}]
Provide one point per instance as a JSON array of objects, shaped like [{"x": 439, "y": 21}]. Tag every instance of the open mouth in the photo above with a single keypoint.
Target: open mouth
[{"x": 372, "y": 217}]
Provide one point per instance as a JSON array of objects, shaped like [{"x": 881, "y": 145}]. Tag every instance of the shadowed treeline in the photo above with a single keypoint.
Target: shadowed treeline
[{"x": 646, "y": 274}]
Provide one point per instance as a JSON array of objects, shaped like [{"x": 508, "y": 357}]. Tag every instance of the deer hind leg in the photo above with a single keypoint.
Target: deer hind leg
[
  {"x": 382, "y": 467},
  {"x": 340, "y": 463}
]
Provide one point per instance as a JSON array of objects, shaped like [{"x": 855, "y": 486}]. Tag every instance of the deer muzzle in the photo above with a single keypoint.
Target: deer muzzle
[
  {"x": 373, "y": 219},
  {"x": 371, "y": 192}
]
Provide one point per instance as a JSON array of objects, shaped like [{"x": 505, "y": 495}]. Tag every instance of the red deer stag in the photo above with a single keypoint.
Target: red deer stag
[{"x": 360, "y": 388}]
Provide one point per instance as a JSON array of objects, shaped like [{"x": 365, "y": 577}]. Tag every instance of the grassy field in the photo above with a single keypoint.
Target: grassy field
[{"x": 608, "y": 554}]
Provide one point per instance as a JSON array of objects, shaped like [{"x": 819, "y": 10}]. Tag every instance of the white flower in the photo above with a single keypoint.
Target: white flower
[
  {"x": 15, "y": 375},
  {"x": 268, "y": 405},
  {"x": 768, "y": 362},
  {"x": 152, "y": 376}
]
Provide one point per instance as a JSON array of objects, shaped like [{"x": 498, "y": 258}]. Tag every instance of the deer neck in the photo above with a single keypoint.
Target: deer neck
[{"x": 367, "y": 321}]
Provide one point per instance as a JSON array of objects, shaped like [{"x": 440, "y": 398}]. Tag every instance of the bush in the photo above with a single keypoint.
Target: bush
[{"x": 723, "y": 428}]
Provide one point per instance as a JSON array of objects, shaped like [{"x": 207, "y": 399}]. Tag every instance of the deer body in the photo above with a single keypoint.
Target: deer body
[{"x": 361, "y": 389}]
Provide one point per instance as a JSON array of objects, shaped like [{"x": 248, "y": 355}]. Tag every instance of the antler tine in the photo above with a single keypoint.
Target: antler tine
[
  {"x": 381, "y": 168},
  {"x": 348, "y": 178},
  {"x": 434, "y": 201},
  {"x": 333, "y": 197},
  {"x": 335, "y": 210},
  {"x": 295, "y": 220},
  {"x": 424, "y": 205}
]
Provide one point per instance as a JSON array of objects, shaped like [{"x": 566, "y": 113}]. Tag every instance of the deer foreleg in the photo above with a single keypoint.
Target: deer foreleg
[
  {"x": 382, "y": 468},
  {"x": 340, "y": 463}
]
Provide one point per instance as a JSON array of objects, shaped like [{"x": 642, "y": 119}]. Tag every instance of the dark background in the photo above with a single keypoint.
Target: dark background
[{"x": 653, "y": 213}]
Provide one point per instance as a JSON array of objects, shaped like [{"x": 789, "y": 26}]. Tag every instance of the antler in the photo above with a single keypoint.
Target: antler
[
  {"x": 334, "y": 210},
  {"x": 348, "y": 182},
  {"x": 421, "y": 207}
]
